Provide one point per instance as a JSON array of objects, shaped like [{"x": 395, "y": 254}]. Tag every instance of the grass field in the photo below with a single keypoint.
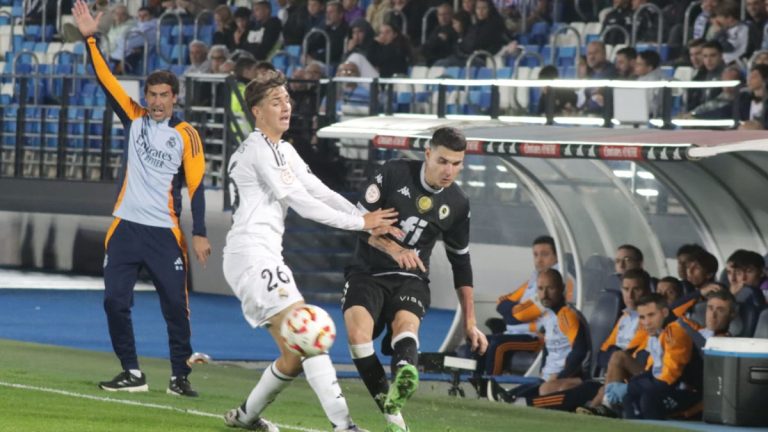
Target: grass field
[{"x": 47, "y": 388}]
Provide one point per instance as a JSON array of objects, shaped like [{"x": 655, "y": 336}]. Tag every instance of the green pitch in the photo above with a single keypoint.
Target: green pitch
[{"x": 47, "y": 388}]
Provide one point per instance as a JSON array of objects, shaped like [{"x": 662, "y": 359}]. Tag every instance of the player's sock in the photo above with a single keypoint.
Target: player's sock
[
  {"x": 135, "y": 372},
  {"x": 406, "y": 350},
  {"x": 272, "y": 382},
  {"x": 371, "y": 371},
  {"x": 322, "y": 378}
]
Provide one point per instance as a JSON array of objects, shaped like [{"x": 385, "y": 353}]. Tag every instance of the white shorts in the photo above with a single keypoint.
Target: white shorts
[{"x": 264, "y": 286}]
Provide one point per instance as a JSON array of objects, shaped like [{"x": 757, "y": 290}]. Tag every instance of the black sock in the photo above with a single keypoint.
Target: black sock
[
  {"x": 406, "y": 351},
  {"x": 372, "y": 373}
]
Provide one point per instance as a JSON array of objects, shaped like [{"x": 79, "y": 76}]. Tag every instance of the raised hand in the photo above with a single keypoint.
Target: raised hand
[
  {"x": 379, "y": 218},
  {"x": 408, "y": 259},
  {"x": 86, "y": 23}
]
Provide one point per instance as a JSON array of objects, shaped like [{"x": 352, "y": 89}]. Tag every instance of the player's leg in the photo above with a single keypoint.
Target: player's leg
[
  {"x": 558, "y": 385},
  {"x": 121, "y": 270},
  {"x": 568, "y": 399},
  {"x": 166, "y": 261}
]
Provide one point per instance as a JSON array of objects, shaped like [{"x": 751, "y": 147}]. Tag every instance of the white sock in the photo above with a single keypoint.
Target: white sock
[
  {"x": 270, "y": 385},
  {"x": 135, "y": 372},
  {"x": 322, "y": 378},
  {"x": 396, "y": 419}
]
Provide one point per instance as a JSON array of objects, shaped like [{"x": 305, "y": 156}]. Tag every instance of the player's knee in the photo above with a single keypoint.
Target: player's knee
[
  {"x": 289, "y": 364},
  {"x": 116, "y": 304},
  {"x": 617, "y": 358},
  {"x": 405, "y": 321},
  {"x": 358, "y": 336}
]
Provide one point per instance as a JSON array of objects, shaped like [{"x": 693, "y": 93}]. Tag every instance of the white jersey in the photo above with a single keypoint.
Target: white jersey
[{"x": 267, "y": 178}]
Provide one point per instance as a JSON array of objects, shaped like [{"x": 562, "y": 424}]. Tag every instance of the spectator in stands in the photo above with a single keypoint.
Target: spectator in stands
[
  {"x": 695, "y": 60},
  {"x": 246, "y": 69},
  {"x": 239, "y": 36},
  {"x": 468, "y": 6},
  {"x": 701, "y": 26},
  {"x": 733, "y": 35},
  {"x": 217, "y": 56},
  {"x": 647, "y": 22},
  {"x": 628, "y": 257},
  {"x": 351, "y": 98},
  {"x": 625, "y": 63},
  {"x": 757, "y": 18},
  {"x": 377, "y": 12},
  {"x": 539, "y": 12},
  {"x": 224, "y": 24},
  {"x": 198, "y": 58},
  {"x": 759, "y": 57},
  {"x": 412, "y": 12},
  {"x": 671, "y": 288},
  {"x": 122, "y": 23},
  {"x": 752, "y": 110},
  {"x": 565, "y": 99},
  {"x": 337, "y": 30},
  {"x": 620, "y": 15},
  {"x": 745, "y": 275},
  {"x": 390, "y": 52},
  {"x": 352, "y": 10},
  {"x": 294, "y": 18},
  {"x": 315, "y": 14},
  {"x": 721, "y": 106},
  {"x": 268, "y": 31},
  {"x": 359, "y": 44},
  {"x": 683, "y": 256},
  {"x": 442, "y": 41},
  {"x": 700, "y": 273},
  {"x": 598, "y": 67},
  {"x": 647, "y": 69},
  {"x": 144, "y": 32},
  {"x": 712, "y": 59},
  {"x": 484, "y": 34}
]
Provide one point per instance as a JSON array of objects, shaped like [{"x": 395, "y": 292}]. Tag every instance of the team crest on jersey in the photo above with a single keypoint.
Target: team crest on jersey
[
  {"x": 424, "y": 204},
  {"x": 171, "y": 143},
  {"x": 444, "y": 211},
  {"x": 379, "y": 178},
  {"x": 372, "y": 194},
  {"x": 286, "y": 175},
  {"x": 405, "y": 191}
]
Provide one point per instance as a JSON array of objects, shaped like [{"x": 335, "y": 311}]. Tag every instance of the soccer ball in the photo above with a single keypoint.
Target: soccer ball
[{"x": 308, "y": 330}]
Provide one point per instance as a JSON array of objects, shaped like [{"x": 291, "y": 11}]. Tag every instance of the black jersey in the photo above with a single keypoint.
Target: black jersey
[{"x": 424, "y": 214}]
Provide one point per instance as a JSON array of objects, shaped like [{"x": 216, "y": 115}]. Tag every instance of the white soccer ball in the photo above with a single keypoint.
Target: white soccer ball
[{"x": 308, "y": 330}]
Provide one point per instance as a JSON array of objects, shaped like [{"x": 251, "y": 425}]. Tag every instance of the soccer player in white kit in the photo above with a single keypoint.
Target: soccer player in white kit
[{"x": 266, "y": 177}]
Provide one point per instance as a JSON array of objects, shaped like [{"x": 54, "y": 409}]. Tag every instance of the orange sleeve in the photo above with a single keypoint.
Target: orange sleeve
[
  {"x": 515, "y": 295},
  {"x": 681, "y": 310},
  {"x": 639, "y": 341},
  {"x": 193, "y": 161},
  {"x": 125, "y": 107},
  {"x": 612, "y": 337},
  {"x": 526, "y": 311},
  {"x": 678, "y": 348},
  {"x": 569, "y": 291},
  {"x": 569, "y": 323}
]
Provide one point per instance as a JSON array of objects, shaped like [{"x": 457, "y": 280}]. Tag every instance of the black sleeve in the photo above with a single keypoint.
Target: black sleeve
[
  {"x": 272, "y": 30},
  {"x": 575, "y": 360},
  {"x": 457, "y": 249}
]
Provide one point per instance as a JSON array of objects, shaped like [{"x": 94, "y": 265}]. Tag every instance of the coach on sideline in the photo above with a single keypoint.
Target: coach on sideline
[{"x": 160, "y": 150}]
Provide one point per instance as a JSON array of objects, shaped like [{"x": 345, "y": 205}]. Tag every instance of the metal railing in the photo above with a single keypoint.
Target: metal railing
[
  {"x": 659, "y": 23},
  {"x": 145, "y": 56},
  {"x": 553, "y": 43},
  {"x": 36, "y": 69},
  {"x": 403, "y": 20},
  {"x": 202, "y": 13},
  {"x": 180, "y": 39},
  {"x": 687, "y": 20},
  {"x": 616, "y": 27},
  {"x": 326, "y": 36},
  {"x": 430, "y": 11}
]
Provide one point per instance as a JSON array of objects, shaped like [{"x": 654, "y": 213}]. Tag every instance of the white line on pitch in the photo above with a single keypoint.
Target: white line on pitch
[{"x": 136, "y": 403}]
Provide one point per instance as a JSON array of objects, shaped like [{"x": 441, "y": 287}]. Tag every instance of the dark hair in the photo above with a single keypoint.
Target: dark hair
[
  {"x": 146, "y": 9},
  {"x": 464, "y": 18},
  {"x": 242, "y": 12},
  {"x": 727, "y": 9},
  {"x": 450, "y": 138},
  {"x": 545, "y": 239},
  {"x": 762, "y": 69},
  {"x": 651, "y": 58},
  {"x": 242, "y": 64},
  {"x": 629, "y": 52},
  {"x": 554, "y": 274},
  {"x": 706, "y": 260},
  {"x": 258, "y": 89},
  {"x": 655, "y": 298},
  {"x": 713, "y": 44},
  {"x": 688, "y": 249},
  {"x": 724, "y": 295},
  {"x": 746, "y": 259},
  {"x": 548, "y": 72},
  {"x": 676, "y": 284},
  {"x": 639, "y": 275},
  {"x": 162, "y": 77},
  {"x": 634, "y": 249},
  {"x": 696, "y": 42},
  {"x": 337, "y": 5}
]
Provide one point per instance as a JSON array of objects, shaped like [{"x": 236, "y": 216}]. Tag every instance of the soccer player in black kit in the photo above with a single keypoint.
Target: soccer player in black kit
[{"x": 387, "y": 284}]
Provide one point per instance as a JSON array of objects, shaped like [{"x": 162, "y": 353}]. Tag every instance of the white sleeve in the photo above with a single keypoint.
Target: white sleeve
[
  {"x": 314, "y": 185},
  {"x": 272, "y": 167}
]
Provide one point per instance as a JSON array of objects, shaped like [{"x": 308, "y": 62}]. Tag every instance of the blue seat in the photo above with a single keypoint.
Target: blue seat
[
  {"x": 539, "y": 33},
  {"x": 602, "y": 320},
  {"x": 504, "y": 72},
  {"x": 484, "y": 73}
]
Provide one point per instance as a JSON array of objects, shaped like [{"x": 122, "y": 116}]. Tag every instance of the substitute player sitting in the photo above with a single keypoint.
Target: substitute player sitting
[
  {"x": 267, "y": 176},
  {"x": 388, "y": 285}
]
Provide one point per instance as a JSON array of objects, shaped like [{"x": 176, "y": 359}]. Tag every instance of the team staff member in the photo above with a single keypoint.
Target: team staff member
[
  {"x": 162, "y": 152},
  {"x": 387, "y": 284}
]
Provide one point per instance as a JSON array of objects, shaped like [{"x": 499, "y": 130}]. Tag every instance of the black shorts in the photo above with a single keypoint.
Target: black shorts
[{"x": 384, "y": 296}]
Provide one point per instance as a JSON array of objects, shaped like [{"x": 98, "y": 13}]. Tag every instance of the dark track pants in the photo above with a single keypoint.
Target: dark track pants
[{"x": 129, "y": 246}]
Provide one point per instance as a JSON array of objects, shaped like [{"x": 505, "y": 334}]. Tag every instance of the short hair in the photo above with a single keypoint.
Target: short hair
[
  {"x": 545, "y": 239},
  {"x": 263, "y": 66},
  {"x": 198, "y": 42},
  {"x": 634, "y": 249},
  {"x": 548, "y": 72},
  {"x": 258, "y": 88},
  {"x": 162, "y": 77},
  {"x": 651, "y": 58},
  {"x": 266, "y": 3},
  {"x": 463, "y": 17},
  {"x": 688, "y": 249},
  {"x": 628, "y": 52},
  {"x": 242, "y": 12},
  {"x": 762, "y": 69},
  {"x": 337, "y": 5},
  {"x": 693, "y": 43},
  {"x": 218, "y": 48},
  {"x": 555, "y": 275},
  {"x": 659, "y": 300},
  {"x": 243, "y": 64},
  {"x": 676, "y": 284},
  {"x": 713, "y": 44},
  {"x": 746, "y": 259},
  {"x": 706, "y": 260},
  {"x": 146, "y": 9},
  {"x": 639, "y": 275},
  {"x": 724, "y": 295},
  {"x": 450, "y": 138},
  {"x": 727, "y": 9}
]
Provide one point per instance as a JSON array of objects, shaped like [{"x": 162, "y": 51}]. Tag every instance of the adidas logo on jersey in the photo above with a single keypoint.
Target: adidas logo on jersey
[
  {"x": 178, "y": 264},
  {"x": 404, "y": 190}
]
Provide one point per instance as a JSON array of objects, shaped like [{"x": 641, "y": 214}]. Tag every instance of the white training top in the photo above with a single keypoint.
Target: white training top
[{"x": 267, "y": 178}]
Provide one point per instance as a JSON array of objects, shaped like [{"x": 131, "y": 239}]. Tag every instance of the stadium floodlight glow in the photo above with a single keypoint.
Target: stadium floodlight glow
[
  {"x": 475, "y": 183},
  {"x": 622, "y": 173},
  {"x": 646, "y": 175},
  {"x": 647, "y": 192},
  {"x": 501, "y": 168},
  {"x": 473, "y": 167},
  {"x": 506, "y": 185}
]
